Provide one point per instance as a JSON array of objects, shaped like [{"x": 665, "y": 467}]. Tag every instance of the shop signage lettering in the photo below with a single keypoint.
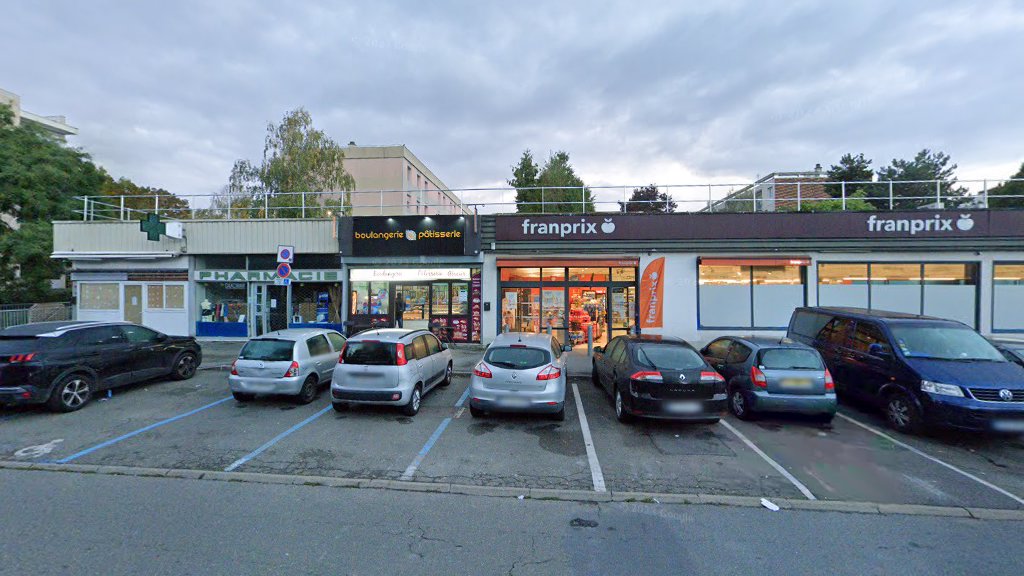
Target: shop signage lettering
[
  {"x": 408, "y": 236},
  {"x": 563, "y": 229},
  {"x": 408, "y": 274},
  {"x": 266, "y": 275},
  {"x": 652, "y": 287},
  {"x": 914, "y": 225}
]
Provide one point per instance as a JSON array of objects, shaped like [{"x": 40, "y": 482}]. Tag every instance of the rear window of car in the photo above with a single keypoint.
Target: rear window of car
[
  {"x": 666, "y": 357},
  {"x": 808, "y": 323},
  {"x": 267, "y": 350},
  {"x": 516, "y": 358},
  {"x": 790, "y": 359},
  {"x": 372, "y": 353}
]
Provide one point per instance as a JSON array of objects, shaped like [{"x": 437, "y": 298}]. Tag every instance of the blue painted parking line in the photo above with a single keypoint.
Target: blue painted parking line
[
  {"x": 463, "y": 399},
  {"x": 88, "y": 451},
  {"x": 275, "y": 440}
]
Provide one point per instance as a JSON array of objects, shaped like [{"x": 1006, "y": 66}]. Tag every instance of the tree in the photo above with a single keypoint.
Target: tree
[
  {"x": 1015, "y": 187},
  {"x": 299, "y": 162},
  {"x": 39, "y": 178},
  {"x": 555, "y": 188},
  {"x": 926, "y": 165},
  {"x": 856, "y": 202},
  {"x": 648, "y": 199},
  {"x": 140, "y": 199},
  {"x": 850, "y": 169}
]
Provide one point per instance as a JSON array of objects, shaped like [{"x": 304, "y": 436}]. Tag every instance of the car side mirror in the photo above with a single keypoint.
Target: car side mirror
[
  {"x": 598, "y": 349},
  {"x": 568, "y": 348},
  {"x": 161, "y": 337},
  {"x": 879, "y": 350},
  {"x": 444, "y": 345}
]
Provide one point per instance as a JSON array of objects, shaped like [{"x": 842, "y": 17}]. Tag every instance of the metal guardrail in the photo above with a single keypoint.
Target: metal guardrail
[
  {"x": 776, "y": 195},
  {"x": 18, "y": 314}
]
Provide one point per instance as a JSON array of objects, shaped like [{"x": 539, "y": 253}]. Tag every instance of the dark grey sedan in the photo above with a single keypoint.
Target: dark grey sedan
[
  {"x": 772, "y": 375},
  {"x": 1011, "y": 348}
]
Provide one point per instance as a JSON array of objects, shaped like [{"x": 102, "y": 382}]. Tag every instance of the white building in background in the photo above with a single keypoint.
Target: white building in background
[{"x": 56, "y": 125}]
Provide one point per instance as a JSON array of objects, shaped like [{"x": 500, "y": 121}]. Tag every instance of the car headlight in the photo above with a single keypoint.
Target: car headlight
[{"x": 938, "y": 388}]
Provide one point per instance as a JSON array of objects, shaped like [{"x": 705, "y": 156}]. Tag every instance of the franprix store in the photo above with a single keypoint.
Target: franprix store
[
  {"x": 420, "y": 272},
  {"x": 698, "y": 276}
]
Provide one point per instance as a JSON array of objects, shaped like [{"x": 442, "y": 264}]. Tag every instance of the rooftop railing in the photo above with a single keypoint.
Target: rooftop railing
[{"x": 778, "y": 195}]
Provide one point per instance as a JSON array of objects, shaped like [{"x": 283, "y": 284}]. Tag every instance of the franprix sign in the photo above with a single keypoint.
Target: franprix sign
[{"x": 764, "y": 225}]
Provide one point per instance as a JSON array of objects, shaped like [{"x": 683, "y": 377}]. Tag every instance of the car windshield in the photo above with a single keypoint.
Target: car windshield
[
  {"x": 267, "y": 350},
  {"x": 944, "y": 343},
  {"x": 516, "y": 358},
  {"x": 790, "y": 359},
  {"x": 371, "y": 352},
  {"x": 668, "y": 357}
]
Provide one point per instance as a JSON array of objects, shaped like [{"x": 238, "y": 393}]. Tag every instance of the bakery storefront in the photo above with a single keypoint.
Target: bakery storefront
[{"x": 419, "y": 272}]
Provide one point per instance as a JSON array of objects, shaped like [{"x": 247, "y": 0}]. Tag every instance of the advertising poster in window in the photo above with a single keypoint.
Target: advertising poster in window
[
  {"x": 475, "y": 306},
  {"x": 652, "y": 286}
]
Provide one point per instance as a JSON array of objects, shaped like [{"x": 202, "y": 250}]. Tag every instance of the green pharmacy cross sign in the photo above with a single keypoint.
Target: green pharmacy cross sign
[{"x": 153, "y": 227}]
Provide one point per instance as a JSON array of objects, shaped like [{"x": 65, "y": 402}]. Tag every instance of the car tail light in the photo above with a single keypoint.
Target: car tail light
[
  {"x": 482, "y": 370},
  {"x": 549, "y": 373},
  {"x": 21, "y": 358},
  {"x": 711, "y": 376},
  {"x": 829, "y": 383},
  {"x": 400, "y": 355},
  {"x": 341, "y": 356},
  {"x": 234, "y": 370},
  {"x": 293, "y": 370},
  {"x": 758, "y": 377},
  {"x": 643, "y": 376}
]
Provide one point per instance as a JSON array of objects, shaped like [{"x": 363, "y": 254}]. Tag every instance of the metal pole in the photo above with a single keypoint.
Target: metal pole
[
  {"x": 157, "y": 205},
  {"x": 890, "y": 194},
  {"x": 798, "y": 197},
  {"x": 984, "y": 192},
  {"x": 666, "y": 203},
  {"x": 266, "y": 205},
  {"x": 229, "y": 206},
  {"x": 624, "y": 200},
  {"x": 844, "y": 194},
  {"x": 85, "y": 207},
  {"x": 122, "y": 207},
  {"x": 938, "y": 192},
  {"x": 590, "y": 339},
  {"x": 711, "y": 204},
  {"x": 304, "y": 203},
  {"x": 583, "y": 198},
  {"x": 542, "y": 197}
]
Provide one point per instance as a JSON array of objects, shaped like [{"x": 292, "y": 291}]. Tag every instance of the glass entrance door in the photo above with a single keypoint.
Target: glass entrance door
[
  {"x": 588, "y": 314},
  {"x": 268, "y": 308},
  {"x": 416, "y": 315},
  {"x": 623, "y": 310}
]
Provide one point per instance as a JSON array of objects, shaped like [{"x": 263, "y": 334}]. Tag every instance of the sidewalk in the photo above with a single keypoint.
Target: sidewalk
[{"x": 221, "y": 353}]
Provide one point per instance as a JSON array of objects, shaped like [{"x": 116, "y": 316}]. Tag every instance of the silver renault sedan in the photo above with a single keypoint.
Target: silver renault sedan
[
  {"x": 294, "y": 362},
  {"x": 520, "y": 372}
]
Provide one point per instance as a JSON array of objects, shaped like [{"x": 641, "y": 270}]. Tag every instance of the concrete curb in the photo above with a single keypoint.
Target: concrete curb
[{"x": 531, "y": 493}]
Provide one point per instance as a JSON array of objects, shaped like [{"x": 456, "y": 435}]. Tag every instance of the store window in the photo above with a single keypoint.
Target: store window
[
  {"x": 520, "y": 274},
  {"x": 553, "y": 309},
  {"x": 950, "y": 291},
  {"x": 588, "y": 274},
  {"x": 99, "y": 296},
  {"x": 369, "y": 298},
  {"x": 439, "y": 299},
  {"x": 756, "y": 296},
  {"x": 896, "y": 287},
  {"x": 316, "y": 303},
  {"x": 1007, "y": 296},
  {"x": 460, "y": 298},
  {"x": 843, "y": 284},
  {"x": 553, "y": 274},
  {"x": 222, "y": 301},
  {"x": 520, "y": 310},
  {"x": 165, "y": 296},
  {"x": 624, "y": 274},
  {"x": 155, "y": 296}
]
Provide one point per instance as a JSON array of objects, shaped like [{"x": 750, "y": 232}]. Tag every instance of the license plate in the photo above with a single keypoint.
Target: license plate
[
  {"x": 684, "y": 407},
  {"x": 513, "y": 402},
  {"x": 796, "y": 383},
  {"x": 260, "y": 387},
  {"x": 1008, "y": 425}
]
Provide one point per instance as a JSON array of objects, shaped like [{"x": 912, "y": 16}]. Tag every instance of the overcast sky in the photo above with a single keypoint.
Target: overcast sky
[{"x": 170, "y": 94}]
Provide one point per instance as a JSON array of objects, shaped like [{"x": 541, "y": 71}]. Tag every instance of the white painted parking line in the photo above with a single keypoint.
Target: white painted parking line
[
  {"x": 778, "y": 467},
  {"x": 410, "y": 470},
  {"x": 275, "y": 440},
  {"x": 1016, "y": 498},
  {"x": 595, "y": 466}
]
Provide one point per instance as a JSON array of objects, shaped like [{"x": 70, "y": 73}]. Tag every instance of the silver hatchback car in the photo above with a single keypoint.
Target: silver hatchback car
[
  {"x": 520, "y": 372},
  {"x": 292, "y": 362},
  {"x": 390, "y": 367}
]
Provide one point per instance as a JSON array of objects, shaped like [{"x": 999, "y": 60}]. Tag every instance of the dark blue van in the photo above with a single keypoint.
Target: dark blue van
[{"x": 921, "y": 371}]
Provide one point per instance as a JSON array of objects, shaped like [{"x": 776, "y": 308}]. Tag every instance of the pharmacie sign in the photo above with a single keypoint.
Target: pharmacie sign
[
  {"x": 761, "y": 225},
  {"x": 266, "y": 275},
  {"x": 408, "y": 236}
]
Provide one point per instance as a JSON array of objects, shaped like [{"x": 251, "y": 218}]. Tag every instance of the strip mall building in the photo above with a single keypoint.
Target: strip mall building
[{"x": 692, "y": 275}]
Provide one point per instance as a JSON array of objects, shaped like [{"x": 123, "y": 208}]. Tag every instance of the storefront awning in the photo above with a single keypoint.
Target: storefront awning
[
  {"x": 617, "y": 263},
  {"x": 756, "y": 261}
]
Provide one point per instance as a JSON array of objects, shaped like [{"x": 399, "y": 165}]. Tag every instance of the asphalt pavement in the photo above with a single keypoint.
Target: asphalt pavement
[{"x": 62, "y": 523}]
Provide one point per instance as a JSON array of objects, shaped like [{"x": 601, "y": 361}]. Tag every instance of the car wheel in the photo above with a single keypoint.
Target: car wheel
[
  {"x": 558, "y": 416},
  {"x": 185, "y": 367},
  {"x": 738, "y": 405},
  {"x": 620, "y": 408},
  {"x": 340, "y": 406},
  {"x": 593, "y": 375},
  {"x": 413, "y": 406},
  {"x": 308, "y": 392},
  {"x": 71, "y": 393},
  {"x": 476, "y": 412},
  {"x": 447, "y": 375},
  {"x": 902, "y": 414}
]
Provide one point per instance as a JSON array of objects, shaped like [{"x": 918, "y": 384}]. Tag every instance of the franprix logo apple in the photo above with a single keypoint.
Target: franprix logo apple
[
  {"x": 965, "y": 223},
  {"x": 566, "y": 228},
  {"x": 608, "y": 226}
]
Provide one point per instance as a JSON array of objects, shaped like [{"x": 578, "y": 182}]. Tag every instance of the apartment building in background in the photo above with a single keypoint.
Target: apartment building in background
[
  {"x": 391, "y": 180},
  {"x": 56, "y": 125},
  {"x": 776, "y": 191}
]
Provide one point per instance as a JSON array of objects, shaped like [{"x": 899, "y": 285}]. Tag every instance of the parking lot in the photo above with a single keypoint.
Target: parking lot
[{"x": 196, "y": 425}]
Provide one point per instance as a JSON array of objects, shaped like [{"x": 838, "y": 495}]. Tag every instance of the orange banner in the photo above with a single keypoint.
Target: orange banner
[{"x": 652, "y": 286}]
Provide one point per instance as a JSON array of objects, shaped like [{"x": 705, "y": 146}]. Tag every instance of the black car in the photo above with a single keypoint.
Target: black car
[
  {"x": 64, "y": 364},
  {"x": 1012, "y": 349},
  {"x": 658, "y": 377},
  {"x": 922, "y": 371}
]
